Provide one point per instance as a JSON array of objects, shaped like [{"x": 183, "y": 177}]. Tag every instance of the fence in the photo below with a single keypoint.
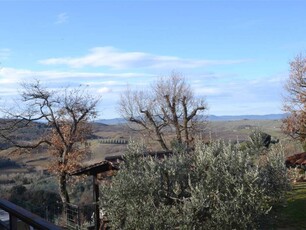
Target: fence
[{"x": 80, "y": 217}]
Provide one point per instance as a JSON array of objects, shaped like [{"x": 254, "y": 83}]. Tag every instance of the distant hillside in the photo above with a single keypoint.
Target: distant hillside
[
  {"x": 113, "y": 121},
  {"x": 247, "y": 117},
  {"x": 116, "y": 121}
]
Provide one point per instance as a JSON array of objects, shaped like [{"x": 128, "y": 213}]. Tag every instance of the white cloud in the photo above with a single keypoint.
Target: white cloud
[
  {"x": 61, "y": 18},
  {"x": 4, "y": 53},
  {"x": 12, "y": 75},
  {"x": 114, "y": 58},
  {"x": 104, "y": 90},
  {"x": 10, "y": 79}
]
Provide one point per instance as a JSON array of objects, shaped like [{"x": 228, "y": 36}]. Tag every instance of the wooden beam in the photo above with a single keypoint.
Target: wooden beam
[{"x": 96, "y": 201}]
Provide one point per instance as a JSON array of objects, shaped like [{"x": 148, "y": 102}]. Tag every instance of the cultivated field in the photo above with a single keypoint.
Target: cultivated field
[{"x": 226, "y": 130}]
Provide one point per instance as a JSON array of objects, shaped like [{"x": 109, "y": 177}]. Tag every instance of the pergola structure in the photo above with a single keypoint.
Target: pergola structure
[{"x": 94, "y": 170}]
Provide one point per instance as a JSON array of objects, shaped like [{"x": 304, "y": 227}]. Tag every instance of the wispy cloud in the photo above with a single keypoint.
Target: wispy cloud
[
  {"x": 15, "y": 75},
  {"x": 114, "y": 58},
  {"x": 4, "y": 53},
  {"x": 106, "y": 84},
  {"x": 101, "y": 82},
  {"x": 61, "y": 18},
  {"x": 240, "y": 95},
  {"x": 104, "y": 90}
]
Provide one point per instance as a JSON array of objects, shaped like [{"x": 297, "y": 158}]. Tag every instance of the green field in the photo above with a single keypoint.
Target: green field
[
  {"x": 241, "y": 129},
  {"x": 292, "y": 214}
]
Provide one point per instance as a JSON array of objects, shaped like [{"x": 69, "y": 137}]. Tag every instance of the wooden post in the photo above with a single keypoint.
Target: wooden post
[
  {"x": 96, "y": 200},
  {"x": 13, "y": 222}
]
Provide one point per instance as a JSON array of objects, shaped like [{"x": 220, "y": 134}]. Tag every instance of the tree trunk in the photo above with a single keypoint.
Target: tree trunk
[
  {"x": 162, "y": 142},
  {"x": 62, "y": 180},
  {"x": 174, "y": 117},
  {"x": 157, "y": 129}
]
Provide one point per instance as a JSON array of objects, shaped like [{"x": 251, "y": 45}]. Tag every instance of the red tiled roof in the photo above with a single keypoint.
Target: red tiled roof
[
  {"x": 296, "y": 159},
  {"x": 94, "y": 169}
]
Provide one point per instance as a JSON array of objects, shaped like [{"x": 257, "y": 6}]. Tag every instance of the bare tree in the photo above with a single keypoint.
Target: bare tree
[
  {"x": 169, "y": 104},
  {"x": 66, "y": 113},
  {"x": 295, "y": 101}
]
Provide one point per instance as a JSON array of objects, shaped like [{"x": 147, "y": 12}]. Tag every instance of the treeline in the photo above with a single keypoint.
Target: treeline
[
  {"x": 8, "y": 163},
  {"x": 114, "y": 141}
]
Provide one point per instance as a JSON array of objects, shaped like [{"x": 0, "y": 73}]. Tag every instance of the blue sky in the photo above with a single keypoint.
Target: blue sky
[{"x": 233, "y": 53}]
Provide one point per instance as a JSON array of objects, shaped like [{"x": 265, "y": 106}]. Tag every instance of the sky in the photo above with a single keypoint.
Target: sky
[{"x": 233, "y": 53}]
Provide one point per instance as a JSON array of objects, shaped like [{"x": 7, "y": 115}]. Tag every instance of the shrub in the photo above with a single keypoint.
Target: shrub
[
  {"x": 17, "y": 194},
  {"x": 217, "y": 186},
  {"x": 273, "y": 174}
]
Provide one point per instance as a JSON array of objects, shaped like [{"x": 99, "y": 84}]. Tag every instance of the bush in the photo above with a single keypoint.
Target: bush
[
  {"x": 17, "y": 194},
  {"x": 273, "y": 175},
  {"x": 217, "y": 186}
]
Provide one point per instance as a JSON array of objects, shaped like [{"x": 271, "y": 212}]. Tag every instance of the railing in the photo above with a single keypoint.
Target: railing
[{"x": 19, "y": 218}]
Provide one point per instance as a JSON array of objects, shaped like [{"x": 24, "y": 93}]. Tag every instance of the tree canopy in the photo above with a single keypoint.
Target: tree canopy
[
  {"x": 295, "y": 100},
  {"x": 166, "y": 111},
  {"x": 66, "y": 113}
]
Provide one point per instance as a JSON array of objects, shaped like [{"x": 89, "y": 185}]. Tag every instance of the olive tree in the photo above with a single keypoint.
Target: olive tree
[
  {"x": 217, "y": 186},
  {"x": 167, "y": 107},
  {"x": 66, "y": 114}
]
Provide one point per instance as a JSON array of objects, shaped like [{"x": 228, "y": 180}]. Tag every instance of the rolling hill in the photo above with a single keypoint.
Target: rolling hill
[{"x": 115, "y": 121}]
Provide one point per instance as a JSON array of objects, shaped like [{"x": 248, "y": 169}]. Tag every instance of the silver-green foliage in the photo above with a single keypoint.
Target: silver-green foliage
[
  {"x": 217, "y": 186},
  {"x": 274, "y": 176}
]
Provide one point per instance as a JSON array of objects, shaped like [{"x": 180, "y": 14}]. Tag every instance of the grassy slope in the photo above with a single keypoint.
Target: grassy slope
[
  {"x": 292, "y": 215},
  {"x": 295, "y": 212}
]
